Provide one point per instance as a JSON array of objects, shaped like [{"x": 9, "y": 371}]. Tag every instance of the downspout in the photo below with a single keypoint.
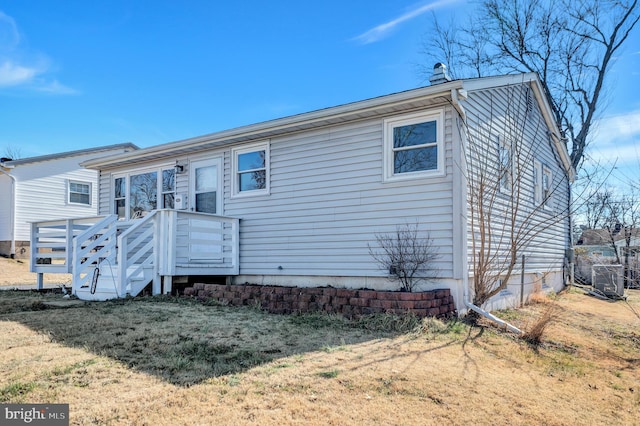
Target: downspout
[
  {"x": 493, "y": 318},
  {"x": 12, "y": 213},
  {"x": 455, "y": 98}
]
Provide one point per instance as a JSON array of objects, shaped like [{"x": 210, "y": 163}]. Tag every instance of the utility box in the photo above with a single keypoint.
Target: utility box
[
  {"x": 180, "y": 202},
  {"x": 608, "y": 279}
]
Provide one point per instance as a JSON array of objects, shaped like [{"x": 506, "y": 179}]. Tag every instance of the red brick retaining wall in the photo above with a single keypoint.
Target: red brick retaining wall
[{"x": 286, "y": 300}]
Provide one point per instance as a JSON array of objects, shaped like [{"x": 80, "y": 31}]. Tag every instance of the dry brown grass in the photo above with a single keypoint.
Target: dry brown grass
[
  {"x": 15, "y": 272},
  {"x": 168, "y": 362},
  {"x": 535, "y": 332}
]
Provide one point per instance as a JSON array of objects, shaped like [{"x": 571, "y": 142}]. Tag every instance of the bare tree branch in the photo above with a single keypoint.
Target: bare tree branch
[{"x": 569, "y": 43}]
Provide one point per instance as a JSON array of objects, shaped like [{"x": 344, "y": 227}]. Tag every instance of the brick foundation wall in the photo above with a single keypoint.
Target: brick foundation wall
[{"x": 350, "y": 303}]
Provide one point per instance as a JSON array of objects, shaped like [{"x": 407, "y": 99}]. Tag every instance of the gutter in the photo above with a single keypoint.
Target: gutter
[
  {"x": 12, "y": 214},
  {"x": 493, "y": 318}
]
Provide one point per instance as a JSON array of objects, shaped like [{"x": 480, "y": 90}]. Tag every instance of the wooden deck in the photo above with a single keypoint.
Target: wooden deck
[{"x": 111, "y": 258}]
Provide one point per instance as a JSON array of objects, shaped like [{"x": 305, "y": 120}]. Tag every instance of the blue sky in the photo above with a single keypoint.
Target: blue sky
[{"x": 78, "y": 74}]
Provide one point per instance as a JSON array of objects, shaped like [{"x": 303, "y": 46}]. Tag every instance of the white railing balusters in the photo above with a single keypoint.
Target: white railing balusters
[
  {"x": 135, "y": 252},
  {"x": 90, "y": 247}
]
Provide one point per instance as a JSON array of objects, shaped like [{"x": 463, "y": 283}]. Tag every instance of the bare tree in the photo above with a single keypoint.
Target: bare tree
[
  {"x": 571, "y": 44},
  {"x": 406, "y": 255},
  {"x": 515, "y": 202},
  {"x": 621, "y": 218},
  {"x": 13, "y": 152}
]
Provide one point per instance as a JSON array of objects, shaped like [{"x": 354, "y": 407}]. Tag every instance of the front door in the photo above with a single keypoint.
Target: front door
[
  {"x": 205, "y": 238},
  {"x": 206, "y": 186}
]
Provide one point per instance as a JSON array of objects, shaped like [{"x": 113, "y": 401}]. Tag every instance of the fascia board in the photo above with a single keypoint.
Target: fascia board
[{"x": 318, "y": 118}]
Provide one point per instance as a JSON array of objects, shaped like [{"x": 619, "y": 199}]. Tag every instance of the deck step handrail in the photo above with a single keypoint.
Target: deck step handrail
[
  {"x": 136, "y": 252},
  {"x": 95, "y": 244}
]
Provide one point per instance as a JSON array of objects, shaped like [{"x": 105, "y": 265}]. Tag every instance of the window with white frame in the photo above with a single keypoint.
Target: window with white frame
[
  {"x": 413, "y": 145},
  {"x": 79, "y": 193},
  {"x": 505, "y": 172},
  {"x": 250, "y": 170},
  {"x": 542, "y": 184},
  {"x": 168, "y": 188},
  {"x": 120, "y": 197},
  {"x": 137, "y": 194}
]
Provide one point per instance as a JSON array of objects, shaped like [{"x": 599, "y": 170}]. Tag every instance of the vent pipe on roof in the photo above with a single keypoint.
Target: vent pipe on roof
[{"x": 439, "y": 74}]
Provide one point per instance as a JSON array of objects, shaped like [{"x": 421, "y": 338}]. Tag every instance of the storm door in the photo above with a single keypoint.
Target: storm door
[
  {"x": 206, "y": 186},
  {"x": 206, "y": 237}
]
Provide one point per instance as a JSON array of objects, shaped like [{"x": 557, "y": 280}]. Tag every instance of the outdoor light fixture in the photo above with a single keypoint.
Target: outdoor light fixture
[{"x": 179, "y": 169}]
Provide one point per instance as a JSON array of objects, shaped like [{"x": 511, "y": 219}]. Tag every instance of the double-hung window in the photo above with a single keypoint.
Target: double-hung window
[
  {"x": 413, "y": 146},
  {"x": 250, "y": 170},
  {"x": 79, "y": 193}
]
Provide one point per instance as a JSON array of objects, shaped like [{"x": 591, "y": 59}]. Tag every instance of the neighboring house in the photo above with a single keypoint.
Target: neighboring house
[
  {"x": 596, "y": 242},
  {"x": 298, "y": 201},
  {"x": 44, "y": 188},
  {"x": 595, "y": 246}
]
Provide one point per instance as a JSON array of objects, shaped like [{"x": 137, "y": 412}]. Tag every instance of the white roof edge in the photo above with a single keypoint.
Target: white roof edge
[
  {"x": 75, "y": 153},
  {"x": 543, "y": 102},
  {"x": 318, "y": 116},
  {"x": 499, "y": 80},
  {"x": 552, "y": 124},
  {"x": 289, "y": 121}
]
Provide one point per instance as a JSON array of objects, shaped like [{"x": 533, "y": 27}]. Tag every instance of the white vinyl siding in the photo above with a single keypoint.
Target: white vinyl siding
[
  {"x": 6, "y": 207},
  {"x": 42, "y": 193},
  {"x": 42, "y": 190},
  {"x": 328, "y": 200},
  {"x": 532, "y": 158}
]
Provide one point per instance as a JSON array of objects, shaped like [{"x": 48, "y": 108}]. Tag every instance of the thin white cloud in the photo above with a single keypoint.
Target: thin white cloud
[
  {"x": 24, "y": 69},
  {"x": 56, "y": 88},
  {"x": 9, "y": 35},
  {"x": 12, "y": 74},
  {"x": 382, "y": 30},
  {"x": 617, "y": 139}
]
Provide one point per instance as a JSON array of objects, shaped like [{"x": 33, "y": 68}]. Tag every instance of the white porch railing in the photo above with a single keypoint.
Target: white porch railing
[
  {"x": 117, "y": 258},
  {"x": 51, "y": 243},
  {"x": 198, "y": 244}
]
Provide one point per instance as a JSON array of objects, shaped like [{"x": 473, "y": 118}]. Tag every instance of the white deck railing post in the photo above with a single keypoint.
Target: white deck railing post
[
  {"x": 158, "y": 225},
  {"x": 69, "y": 246}
]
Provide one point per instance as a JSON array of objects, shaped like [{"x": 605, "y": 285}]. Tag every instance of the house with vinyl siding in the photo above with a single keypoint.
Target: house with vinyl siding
[
  {"x": 298, "y": 201},
  {"x": 47, "y": 187}
]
